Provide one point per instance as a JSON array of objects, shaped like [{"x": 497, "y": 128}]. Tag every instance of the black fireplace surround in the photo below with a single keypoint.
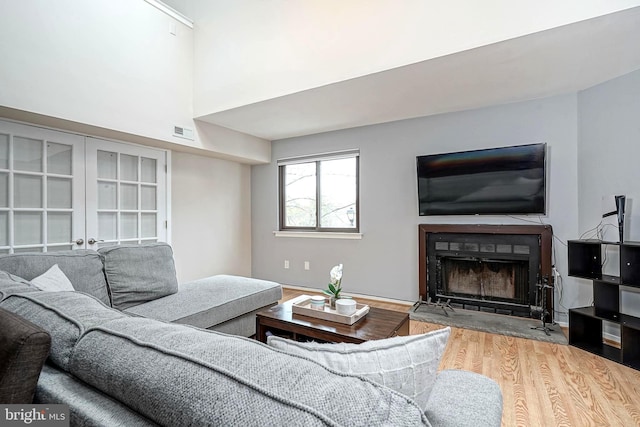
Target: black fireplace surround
[{"x": 484, "y": 267}]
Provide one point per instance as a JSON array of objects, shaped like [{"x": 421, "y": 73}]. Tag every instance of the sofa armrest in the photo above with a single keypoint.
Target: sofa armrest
[
  {"x": 463, "y": 398},
  {"x": 24, "y": 347}
]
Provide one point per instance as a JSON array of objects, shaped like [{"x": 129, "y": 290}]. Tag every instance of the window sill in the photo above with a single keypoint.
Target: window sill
[{"x": 318, "y": 235}]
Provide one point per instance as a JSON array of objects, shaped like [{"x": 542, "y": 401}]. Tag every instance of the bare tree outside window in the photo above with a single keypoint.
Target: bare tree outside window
[
  {"x": 300, "y": 195},
  {"x": 338, "y": 193}
]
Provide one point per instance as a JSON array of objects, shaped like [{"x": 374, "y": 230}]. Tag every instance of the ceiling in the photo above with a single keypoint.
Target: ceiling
[{"x": 561, "y": 60}]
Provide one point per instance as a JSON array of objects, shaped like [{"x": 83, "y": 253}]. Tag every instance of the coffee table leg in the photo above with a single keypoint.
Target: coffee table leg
[{"x": 261, "y": 331}]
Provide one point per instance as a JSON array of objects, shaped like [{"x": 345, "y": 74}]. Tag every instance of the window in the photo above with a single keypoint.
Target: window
[{"x": 320, "y": 193}]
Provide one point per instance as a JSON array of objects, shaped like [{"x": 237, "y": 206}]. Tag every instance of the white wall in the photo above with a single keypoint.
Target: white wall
[
  {"x": 609, "y": 149},
  {"x": 111, "y": 68},
  {"x": 248, "y": 51},
  {"x": 211, "y": 216},
  {"x": 110, "y": 64},
  {"x": 385, "y": 262}
]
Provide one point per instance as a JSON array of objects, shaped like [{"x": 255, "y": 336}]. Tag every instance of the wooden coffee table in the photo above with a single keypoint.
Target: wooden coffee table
[{"x": 377, "y": 324}]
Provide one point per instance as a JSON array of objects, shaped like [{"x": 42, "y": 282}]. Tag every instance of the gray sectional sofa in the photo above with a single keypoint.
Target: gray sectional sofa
[
  {"x": 114, "y": 367},
  {"x": 141, "y": 280}
]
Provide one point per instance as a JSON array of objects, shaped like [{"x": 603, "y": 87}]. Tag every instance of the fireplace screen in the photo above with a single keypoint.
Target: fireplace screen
[
  {"x": 496, "y": 269},
  {"x": 484, "y": 279}
]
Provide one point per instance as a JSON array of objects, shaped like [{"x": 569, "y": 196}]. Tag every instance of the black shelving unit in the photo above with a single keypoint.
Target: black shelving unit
[{"x": 585, "y": 323}]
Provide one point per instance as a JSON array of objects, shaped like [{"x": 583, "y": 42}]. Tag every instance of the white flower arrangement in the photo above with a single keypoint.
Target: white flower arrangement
[{"x": 335, "y": 283}]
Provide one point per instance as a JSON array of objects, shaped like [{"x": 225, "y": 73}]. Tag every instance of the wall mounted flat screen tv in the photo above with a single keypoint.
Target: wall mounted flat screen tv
[{"x": 505, "y": 180}]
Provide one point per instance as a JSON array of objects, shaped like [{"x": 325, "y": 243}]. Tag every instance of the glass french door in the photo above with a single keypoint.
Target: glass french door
[
  {"x": 126, "y": 193},
  {"x": 61, "y": 191},
  {"x": 41, "y": 189}
]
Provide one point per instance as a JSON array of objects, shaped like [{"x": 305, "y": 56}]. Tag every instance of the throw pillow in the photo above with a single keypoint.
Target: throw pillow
[
  {"x": 139, "y": 273},
  {"x": 407, "y": 364},
  {"x": 52, "y": 280}
]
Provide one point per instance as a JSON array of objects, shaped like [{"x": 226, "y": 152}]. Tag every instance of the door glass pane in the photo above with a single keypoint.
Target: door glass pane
[
  {"x": 27, "y": 228},
  {"x": 23, "y": 250},
  {"x": 107, "y": 195},
  {"x": 129, "y": 167},
  {"x": 59, "y": 227},
  {"x": 4, "y": 190},
  {"x": 148, "y": 167},
  {"x": 59, "y": 248},
  {"x": 107, "y": 226},
  {"x": 4, "y": 151},
  {"x": 27, "y": 154},
  {"x": 58, "y": 158},
  {"x": 128, "y": 196},
  {"x": 107, "y": 165},
  {"x": 4, "y": 228},
  {"x": 59, "y": 193},
  {"x": 128, "y": 225},
  {"x": 148, "y": 225},
  {"x": 148, "y": 198},
  {"x": 28, "y": 191},
  {"x": 106, "y": 244}
]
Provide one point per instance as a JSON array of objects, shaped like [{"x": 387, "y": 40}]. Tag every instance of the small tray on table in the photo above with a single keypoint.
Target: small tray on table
[{"x": 303, "y": 306}]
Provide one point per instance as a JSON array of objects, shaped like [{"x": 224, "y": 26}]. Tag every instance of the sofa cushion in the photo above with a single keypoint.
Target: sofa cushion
[
  {"x": 464, "y": 399},
  {"x": 406, "y": 364},
  {"x": 227, "y": 380},
  {"x": 53, "y": 280},
  {"x": 139, "y": 273},
  {"x": 23, "y": 349},
  {"x": 10, "y": 284},
  {"x": 82, "y": 267},
  {"x": 64, "y": 315},
  {"x": 211, "y": 301}
]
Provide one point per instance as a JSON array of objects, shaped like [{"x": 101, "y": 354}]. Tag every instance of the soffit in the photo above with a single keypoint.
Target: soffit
[{"x": 561, "y": 60}]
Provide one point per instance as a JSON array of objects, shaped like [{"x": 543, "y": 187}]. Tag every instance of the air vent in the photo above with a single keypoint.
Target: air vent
[{"x": 182, "y": 132}]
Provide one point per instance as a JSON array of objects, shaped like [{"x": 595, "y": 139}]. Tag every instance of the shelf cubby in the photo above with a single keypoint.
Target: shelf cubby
[{"x": 586, "y": 323}]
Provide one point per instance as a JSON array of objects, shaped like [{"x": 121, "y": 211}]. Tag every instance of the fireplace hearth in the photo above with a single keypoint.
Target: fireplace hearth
[{"x": 488, "y": 268}]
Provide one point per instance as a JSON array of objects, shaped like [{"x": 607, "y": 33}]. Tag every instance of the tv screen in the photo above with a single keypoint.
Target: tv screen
[{"x": 506, "y": 180}]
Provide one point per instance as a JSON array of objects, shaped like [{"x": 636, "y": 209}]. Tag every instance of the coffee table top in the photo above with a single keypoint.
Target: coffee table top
[{"x": 377, "y": 324}]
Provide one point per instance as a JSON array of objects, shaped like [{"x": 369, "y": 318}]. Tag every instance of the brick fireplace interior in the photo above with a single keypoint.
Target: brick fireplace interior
[{"x": 492, "y": 268}]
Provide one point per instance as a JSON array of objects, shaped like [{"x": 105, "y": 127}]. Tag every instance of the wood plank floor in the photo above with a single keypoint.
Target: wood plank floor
[{"x": 542, "y": 384}]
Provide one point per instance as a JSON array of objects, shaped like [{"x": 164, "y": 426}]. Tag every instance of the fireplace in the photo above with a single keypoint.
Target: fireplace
[{"x": 485, "y": 267}]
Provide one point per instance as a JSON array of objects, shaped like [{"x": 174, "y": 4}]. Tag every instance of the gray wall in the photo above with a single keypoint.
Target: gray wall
[
  {"x": 609, "y": 155},
  {"x": 385, "y": 262}
]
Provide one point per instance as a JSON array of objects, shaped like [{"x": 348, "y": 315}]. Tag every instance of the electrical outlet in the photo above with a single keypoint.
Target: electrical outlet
[
  {"x": 286, "y": 263},
  {"x": 306, "y": 265}
]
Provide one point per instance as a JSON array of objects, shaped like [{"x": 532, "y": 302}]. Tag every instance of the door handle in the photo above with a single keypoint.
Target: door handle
[
  {"x": 93, "y": 241},
  {"x": 79, "y": 242}
]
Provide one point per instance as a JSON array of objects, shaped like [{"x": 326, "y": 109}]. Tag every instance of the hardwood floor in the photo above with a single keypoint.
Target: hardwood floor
[{"x": 542, "y": 384}]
